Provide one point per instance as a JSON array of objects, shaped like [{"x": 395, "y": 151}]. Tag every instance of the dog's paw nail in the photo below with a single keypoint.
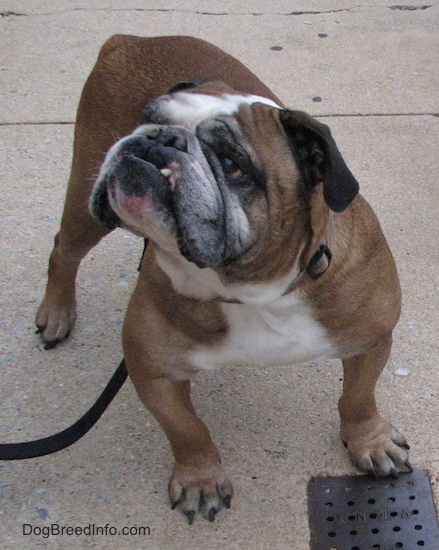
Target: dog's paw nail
[
  {"x": 50, "y": 345},
  {"x": 39, "y": 330},
  {"x": 226, "y": 501},
  {"x": 345, "y": 444},
  {"x": 406, "y": 446},
  {"x": 190, "y": 516},
  {"x": 394, "y": 473},
  {"x": 408, "y": 466},
  {"x": 177, "y": 499},
  {"x": 211, "y": 514}
]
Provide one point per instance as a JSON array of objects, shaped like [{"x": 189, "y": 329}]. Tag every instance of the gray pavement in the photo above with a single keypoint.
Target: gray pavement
[{"x": 372, "y": 72}]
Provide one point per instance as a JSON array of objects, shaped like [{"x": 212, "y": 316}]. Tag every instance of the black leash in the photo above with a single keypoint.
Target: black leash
[{"x": 61, "y": 440}]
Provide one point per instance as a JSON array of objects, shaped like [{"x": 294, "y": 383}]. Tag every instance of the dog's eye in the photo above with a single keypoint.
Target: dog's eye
[{"x": 230, "y": 168}]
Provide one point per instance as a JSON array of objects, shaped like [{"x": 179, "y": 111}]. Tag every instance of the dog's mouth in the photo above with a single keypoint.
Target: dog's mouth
[
  {"x": 158, "y": 184},
  {"x": 135, "y": 178}
]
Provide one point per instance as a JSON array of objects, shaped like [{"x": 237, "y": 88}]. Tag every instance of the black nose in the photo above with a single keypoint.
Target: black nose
[
  {"x": 135, "y": 146},
  {"x": 168, "y": 137},
  {"x": 157, "y": 147}
]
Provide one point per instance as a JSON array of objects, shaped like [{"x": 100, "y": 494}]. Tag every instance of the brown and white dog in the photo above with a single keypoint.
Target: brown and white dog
[{"x": 261, "y": 249}]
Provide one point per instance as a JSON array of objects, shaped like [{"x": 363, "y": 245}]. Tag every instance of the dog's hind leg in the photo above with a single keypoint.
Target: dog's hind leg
[
  {"x": 104, "y": 115},
  {"x": 79, "y": 231}
]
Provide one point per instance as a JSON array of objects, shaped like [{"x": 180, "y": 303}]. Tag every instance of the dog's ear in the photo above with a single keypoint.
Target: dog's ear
[
  {"x": 187, "y": 85},
  {"x": 319, "y": 159}
]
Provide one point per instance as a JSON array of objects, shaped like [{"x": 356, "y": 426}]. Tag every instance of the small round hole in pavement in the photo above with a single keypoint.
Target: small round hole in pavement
[
  {"x": 375, "y": 531},
  {"x": 393, "y": 514},
  {"x": 415, "y": 512},
  {"x": 332, "y": 534},
  {"x": 412, "y": 497},
  {"x": 371, "y": 501},
  {"x": 399, "y": 545},
  {"x": 351, "y": 503},
  {"x": 330, "y": 518},
  {"x": 329, "y": 505},
  {"x": 420, "y": 543},
  {"x": 418, "y": 527},
  {"x": 391, "y": 499},
  {"x": 396, "y": 529},
  {"x": 353, "y": 532},
  {"x": 373, "y": 515}
]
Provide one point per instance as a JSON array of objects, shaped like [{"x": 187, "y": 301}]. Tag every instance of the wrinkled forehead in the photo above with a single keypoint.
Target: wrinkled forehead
[{"x": 190, "y": 109}]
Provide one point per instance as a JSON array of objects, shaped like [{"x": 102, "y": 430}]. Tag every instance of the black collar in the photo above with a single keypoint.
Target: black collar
[
  {"x": 319, "y": 263},
  {"x": 316, "y": 267}
]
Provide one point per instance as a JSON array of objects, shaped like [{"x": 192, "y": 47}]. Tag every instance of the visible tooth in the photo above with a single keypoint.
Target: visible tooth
[{"x": 166, "y": 172}]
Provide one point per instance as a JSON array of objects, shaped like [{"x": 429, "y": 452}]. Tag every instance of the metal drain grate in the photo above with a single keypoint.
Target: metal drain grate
[{"x": 363, "y": 513}]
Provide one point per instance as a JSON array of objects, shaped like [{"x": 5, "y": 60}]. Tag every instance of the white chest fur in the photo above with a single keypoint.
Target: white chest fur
[{"x": 280, "y": 333}]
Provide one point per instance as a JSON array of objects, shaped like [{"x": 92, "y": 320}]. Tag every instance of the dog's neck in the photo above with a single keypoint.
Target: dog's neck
[{"x": 313, "y": 261}]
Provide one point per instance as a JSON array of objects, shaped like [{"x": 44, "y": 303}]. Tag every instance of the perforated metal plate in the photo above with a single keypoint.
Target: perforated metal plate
[{"x": 363, "y": 513}]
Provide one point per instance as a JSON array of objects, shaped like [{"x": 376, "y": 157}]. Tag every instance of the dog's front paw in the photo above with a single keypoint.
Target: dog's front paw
[
  {"x": 55, "y": 318},
  {"x": 376, "y": 447},
  {"x": 205, "y": 489}
]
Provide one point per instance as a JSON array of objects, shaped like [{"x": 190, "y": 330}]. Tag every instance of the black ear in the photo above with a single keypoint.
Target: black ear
[
  {"x": 187, "y": 85},
  {"x": 319, "y": 159}
]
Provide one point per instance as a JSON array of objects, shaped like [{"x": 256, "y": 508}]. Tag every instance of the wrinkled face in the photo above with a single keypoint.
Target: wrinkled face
[
  {"x": 188, "y": 179},
  {"x": 226, "y": 180}
]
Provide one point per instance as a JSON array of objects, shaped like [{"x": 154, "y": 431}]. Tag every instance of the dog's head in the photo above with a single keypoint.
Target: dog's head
[{"x": 218, "y": 176}]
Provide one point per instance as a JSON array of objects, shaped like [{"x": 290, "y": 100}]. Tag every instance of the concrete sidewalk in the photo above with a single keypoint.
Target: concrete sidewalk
[{"x": 372, "y": 72}]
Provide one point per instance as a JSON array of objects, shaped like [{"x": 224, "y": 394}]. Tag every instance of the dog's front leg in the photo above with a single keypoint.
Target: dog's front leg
[
  {"x": 198, "y": 482},
  {"x": 373, "y": 443}
]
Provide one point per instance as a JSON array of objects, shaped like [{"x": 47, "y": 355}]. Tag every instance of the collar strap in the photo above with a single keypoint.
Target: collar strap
[
  {"x": 317, "y": 266},
  {"x": 319, "y": 263}
]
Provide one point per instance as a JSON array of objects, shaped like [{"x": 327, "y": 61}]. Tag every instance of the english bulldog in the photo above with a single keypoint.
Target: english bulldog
[{"x": 261, "y": 250}]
